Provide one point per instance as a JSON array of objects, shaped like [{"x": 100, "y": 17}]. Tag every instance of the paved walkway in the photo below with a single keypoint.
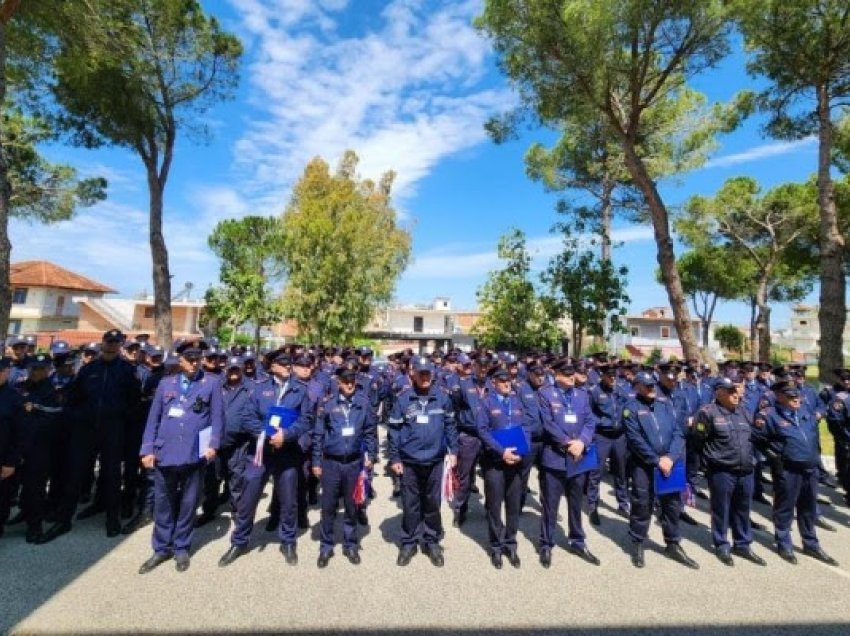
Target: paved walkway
[{"x": 85, "y": 582}]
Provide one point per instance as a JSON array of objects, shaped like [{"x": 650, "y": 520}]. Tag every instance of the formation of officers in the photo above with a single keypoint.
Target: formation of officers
[{"x": 144, "y": 436}]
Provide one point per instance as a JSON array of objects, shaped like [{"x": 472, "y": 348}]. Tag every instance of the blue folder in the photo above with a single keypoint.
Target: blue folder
[
  {"x": 588, "y": 461},
  {"x": 279, "y": 417},
  {"x": 513, "y": 437},
  {"x": 676, "y": 482}
]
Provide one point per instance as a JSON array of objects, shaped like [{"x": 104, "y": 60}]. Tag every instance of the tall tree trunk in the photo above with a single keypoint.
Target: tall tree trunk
[
  {"x": 606, "y": 213},
  {"x": 666, "y": 255},
  {"x": 833, "y": 304},
  {"x": 753, "y": 328},
  {"x": 159, "y": 257},
  {"x": 257, "y": 334},
  {"x": 5, "y": 196}
]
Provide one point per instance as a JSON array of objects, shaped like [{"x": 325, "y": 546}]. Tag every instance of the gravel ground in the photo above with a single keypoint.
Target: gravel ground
[{"x": 84, "y": 582}]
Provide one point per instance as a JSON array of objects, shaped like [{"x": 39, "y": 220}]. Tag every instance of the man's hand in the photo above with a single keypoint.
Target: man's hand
[
  {"x": 510, "y": 457},
  {"x": 575, "y": 448},
  {"x": 665, "y": 465},
  {"x": 209, "y": 454},
  {"x": 452, "y": 461},
  {"x": 397, "y": 468},
  {"x": 28, "y": 407},
  {"x": 148, "y": 461},
  {"x": 276, "y": 440},
  {"x": 6, "y": 472},
  {"x": 317, "y": 471}
]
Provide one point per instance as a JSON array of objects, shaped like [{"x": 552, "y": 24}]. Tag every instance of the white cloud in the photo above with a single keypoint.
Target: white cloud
[
  {"x": 470, "y": 261},
  {"x": 764, "y": 151},
  {"x": 404, "y": 93}
]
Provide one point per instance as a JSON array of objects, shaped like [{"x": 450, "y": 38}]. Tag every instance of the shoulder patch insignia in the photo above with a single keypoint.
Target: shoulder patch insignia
[
  {"x": 759, "y": 422},
  {"x": 700, "y": 426},
  {"x": 838, "y": 405},
  {"x": 626, "y": 412}
]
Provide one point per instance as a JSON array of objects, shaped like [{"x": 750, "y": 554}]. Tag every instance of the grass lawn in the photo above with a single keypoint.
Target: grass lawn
[{"x": 827, "y": 444}]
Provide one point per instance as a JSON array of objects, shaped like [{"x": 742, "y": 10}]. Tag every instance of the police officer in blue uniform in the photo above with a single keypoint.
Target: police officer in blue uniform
[
  {"x": 503, "y": 484},
  {"x": 610, "y": 439},
  {"x": 473, "y": 390},
  {"x": 527, "y": 390},
  {"x": 11, "y": 411},
  {"x": 345, "y": 441},
  {"x": 278, "y": 456},
  {"x": 182, "y": 434},
  {"x": 788, "y": 436},
  {"x": 722, "y": 432},
  {"x": 656, "y": 440},
  {"x": 838, "y": 421},
  {"x": 422, "y": 430},
  {"x": 568, "y": 426}
]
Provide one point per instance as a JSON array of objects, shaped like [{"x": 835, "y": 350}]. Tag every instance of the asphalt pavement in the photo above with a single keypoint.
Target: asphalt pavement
[{"x": 84, "y": 582}]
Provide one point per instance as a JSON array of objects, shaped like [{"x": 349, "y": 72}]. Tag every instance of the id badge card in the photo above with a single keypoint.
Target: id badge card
[
  {"x": 570, "y": 418},
  {"x": 175, "y": 411},
  {"x": 347, "y": 431},
  {"x": 422, "y": 418}
]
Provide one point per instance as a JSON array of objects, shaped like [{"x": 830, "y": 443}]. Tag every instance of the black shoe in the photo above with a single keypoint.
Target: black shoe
[
  {"x": 139, "y": 521},
  {"x": 113, "y": 529},
  {"x": 496, "y": 560},
  {"x": 700, "y": 494},
  {"x": 459, "y": 519},
  {"x": 181, "y": 562},
  {"x": 18, "y": 518},
  {"x": 684, "y": 516},
  {"x": 204, "y": 519},
  {"x": 584, "y": 553},
  {"x": 435, "y": 553},
  {"x": 324, "y": 559},
  {"x": 820, "y": 555},
  {"x": 352, "y": 554},
  {"x": 787, "y": 554},
  {"x": 90, "y": 511},
  {"x": 56, "y": 530},
  {"x": 623, "y": 512},
  {"x": 396, "y": 492},
  {"x": 594, "y": 517},
  {"x": 154, "y": 561},
  {"x": 755, "y": 525},
  {"x": 675, "y": 552},
  {"x": 546, "y": 557},
  {"x": 289, "y": 554},
  {"x": 405, "y": 555},
  {"x": 232, "y": 554},
  {"x": 362, "y": 517},
  {"x": 762, "y": 500},
  {"x": 513, "y": 558},
  {"x": 371, "y": 494},
  {"x": 823, "y": 524},
  {"x": 749, "y": 555},
  {"x": 637, "y": 555},
  {"x": 272, "y": 523},
  {"x": 126, "y": 509},
  {"x": 725, "y": 556},
  {"x": 35, "y": 535}
]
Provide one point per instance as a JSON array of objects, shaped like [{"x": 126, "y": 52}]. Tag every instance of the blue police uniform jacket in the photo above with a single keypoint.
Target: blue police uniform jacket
[
  {"x": 605, "y": 405},
  {"x": 295, "y": 396},
  {"x": 422, "y": 427},
  {"x": 752, "y": 396},
  {"x": 498, "y": 412},
  {"x": 37, "y": 424},
  {"x": 178, "y": 414},
  {"x": 793, "y": 436},
  {"x": 11, "y": 412},
  {"x": 812, "y": 400},
  {"x": 106, "y": 392},
  {"x": 238, "y": 414},
  {"x": 345, "y": 427},
  {"x": 838, "y": 414},
  {"x": 566, "y": 416},
  {"x": 468, "y": 400},
  {"x": 677, "y": 398},
  {"x": 724, "y": 437},
  {"x": 653, "y": 430},
  {"x": 531, "y": 419}
]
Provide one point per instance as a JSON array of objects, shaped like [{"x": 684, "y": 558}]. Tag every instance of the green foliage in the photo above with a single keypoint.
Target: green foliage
[
  {"x": 514, "y": 316},
  {"x": 586, "y": 287},
  {"x": 730, "y": 338},
  {"x": 246, "y": 248},
  {"x": 342, "y": 250},
  {"x": 655, "y": 356}
]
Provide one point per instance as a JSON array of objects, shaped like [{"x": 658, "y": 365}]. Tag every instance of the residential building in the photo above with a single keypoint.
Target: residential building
[
  {"x": 655, "y": 328},
  {"x": 803, "y": 335}
]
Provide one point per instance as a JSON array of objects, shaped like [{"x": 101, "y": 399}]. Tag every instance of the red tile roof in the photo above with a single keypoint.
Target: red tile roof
[{"x": 46, "y": 274}]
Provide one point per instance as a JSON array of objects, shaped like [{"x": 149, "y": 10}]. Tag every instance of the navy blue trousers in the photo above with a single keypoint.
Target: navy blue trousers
[
  {"x": 796, "y": 490},
  {"x": 468, "y": 448},
  {"x": 249, "y": 480},
  {"x": 177, "y": 491},
  {"x": 503, "y": 486},
  {"x": 420, "y": 504},
  {"x": 617, "y": 449},
  {"x": 338, "y": 481},
  {"x": 643, "y": 498},
  {"x": 34, "y": 473},
  {"x": 731, "y": 500},
  {"x": 554, "y": 484},
  {"x": 529, "y": 461}
]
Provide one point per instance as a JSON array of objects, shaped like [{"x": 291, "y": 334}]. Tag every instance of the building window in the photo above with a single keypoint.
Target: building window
[
  {"x": 148, "y": 312},
  {"x": 60, "y": 305},
  {"x": 19, "y": 296},
  {"x": 635, "y": 331},
  {"x": 803, "y": 323},
  {"x": 665, "y": 332},
  {"x": 14, "y": 327},
  {"x": 418, "y": 324}
]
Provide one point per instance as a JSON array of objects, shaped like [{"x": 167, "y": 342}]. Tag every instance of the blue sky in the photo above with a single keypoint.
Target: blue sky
[{"x": 407, "y": 84}]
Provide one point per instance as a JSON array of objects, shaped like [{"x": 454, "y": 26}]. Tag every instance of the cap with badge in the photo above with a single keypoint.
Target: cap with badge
[
  {"x": 16, "y": 341},
  {"x": 154, "y": 351},
  {"x": 347, "y": 371},
  {"x": 499, "y": 373},
  {"x": 113, "y": 335},
  {"x": 787, "y": 388},
  {"x": 60, "y": 348},
  {"x": 842, "y": 374},
  {"x": 724, "y": 382},
  {"x": 235, "y": 362},
  {"x": 190, "y": 347},
  {"x": 278, "y": 356},
  {"x": 39, "y": 360},
  {"x": 564, "y": 367},
  {"x": 303, "y": 359},
  {"x": 421, "y": 364},
  {"x": 644, "y": 378}
]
